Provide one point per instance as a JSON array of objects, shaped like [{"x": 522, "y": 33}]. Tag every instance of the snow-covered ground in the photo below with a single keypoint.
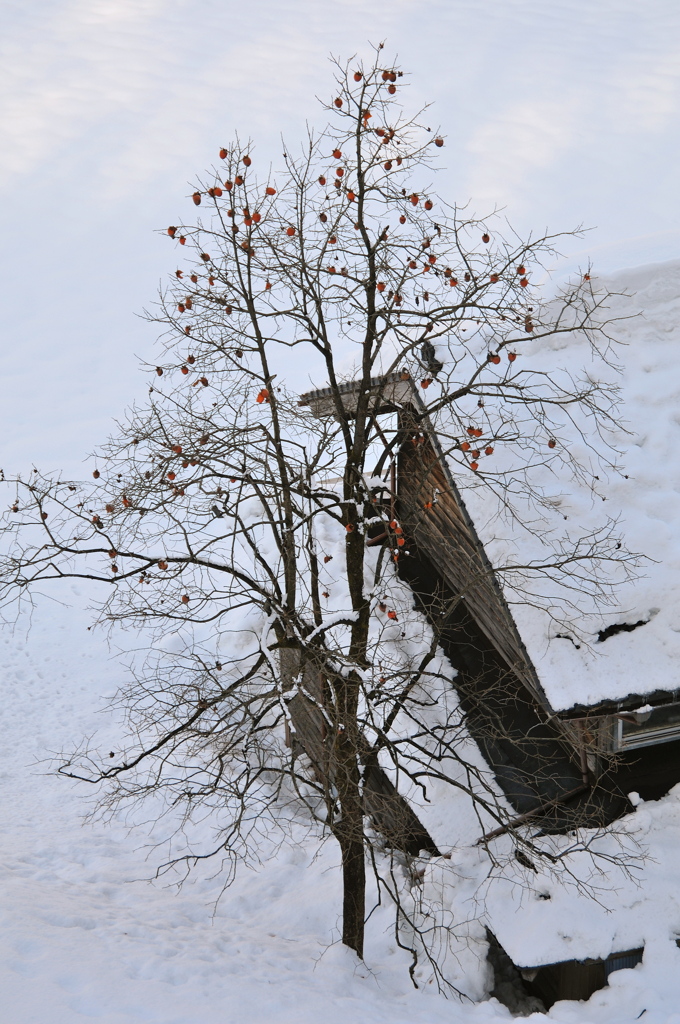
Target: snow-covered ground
[{"x": 84, "y": 936}]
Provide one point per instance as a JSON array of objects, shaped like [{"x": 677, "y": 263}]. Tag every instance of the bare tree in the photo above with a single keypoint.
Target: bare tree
[{"x": 264, "y": 532}]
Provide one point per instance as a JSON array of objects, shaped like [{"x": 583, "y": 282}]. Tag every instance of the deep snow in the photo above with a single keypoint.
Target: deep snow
[
  {"x": 84, "y": 936},
  {"x": 645, "y": 497}
]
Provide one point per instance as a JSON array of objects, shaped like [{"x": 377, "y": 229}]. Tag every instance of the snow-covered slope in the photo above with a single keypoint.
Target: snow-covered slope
[
  {"x": 84, "y": 936},
  {"x": 644, "y": 498}
]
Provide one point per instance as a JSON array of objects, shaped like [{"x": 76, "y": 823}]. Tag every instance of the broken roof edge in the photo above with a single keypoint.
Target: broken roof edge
[
  {"x": 613, "y": 706},
  {"x": 393, "y": 391}
]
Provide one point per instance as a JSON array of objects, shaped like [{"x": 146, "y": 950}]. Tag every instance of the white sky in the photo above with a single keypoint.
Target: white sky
[{"x": 563, "y": 111}]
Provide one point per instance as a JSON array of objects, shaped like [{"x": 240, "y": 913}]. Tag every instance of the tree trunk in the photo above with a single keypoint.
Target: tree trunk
[
  {"x": 349, "y": 829},
  {"x": 354, "y": 894}
]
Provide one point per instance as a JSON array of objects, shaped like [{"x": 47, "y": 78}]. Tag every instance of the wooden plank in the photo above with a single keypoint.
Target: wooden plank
[
  {"x": 445, "y": 533},
  {"x": 389, "y": 811},
  {"x": 387, "y": 394}
]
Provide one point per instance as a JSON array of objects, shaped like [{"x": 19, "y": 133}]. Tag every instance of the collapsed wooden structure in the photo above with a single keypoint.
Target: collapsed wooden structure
[{"x": 556, "y": 770}]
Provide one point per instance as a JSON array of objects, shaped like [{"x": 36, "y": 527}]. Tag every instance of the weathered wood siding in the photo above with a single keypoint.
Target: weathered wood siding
[{"x": 445, "y": 533}]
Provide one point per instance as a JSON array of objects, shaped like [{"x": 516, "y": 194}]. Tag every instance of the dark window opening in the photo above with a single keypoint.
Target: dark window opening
[{"x": 576, "y": 979}]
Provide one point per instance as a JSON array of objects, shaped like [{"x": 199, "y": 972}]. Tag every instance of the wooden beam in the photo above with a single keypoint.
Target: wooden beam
[{"x": 390, "y": 813}]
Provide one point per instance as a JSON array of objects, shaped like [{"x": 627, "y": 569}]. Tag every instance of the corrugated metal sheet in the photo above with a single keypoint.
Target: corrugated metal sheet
[{"x": 619, "y": 961}]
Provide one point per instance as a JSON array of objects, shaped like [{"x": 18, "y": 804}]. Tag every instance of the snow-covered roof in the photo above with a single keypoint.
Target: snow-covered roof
[{"x": 646, "y": 499}]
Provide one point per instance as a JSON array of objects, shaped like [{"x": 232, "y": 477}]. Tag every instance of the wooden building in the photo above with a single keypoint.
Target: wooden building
[{"x": 558, "y": 769}]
